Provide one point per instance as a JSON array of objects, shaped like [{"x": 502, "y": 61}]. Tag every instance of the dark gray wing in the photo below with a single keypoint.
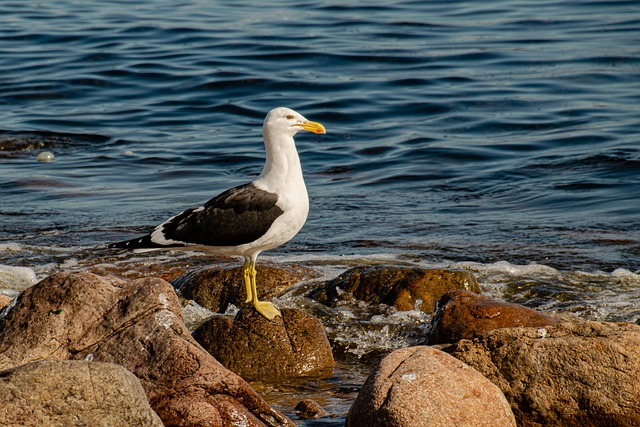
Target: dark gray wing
[{"x": 237, "y": 216}]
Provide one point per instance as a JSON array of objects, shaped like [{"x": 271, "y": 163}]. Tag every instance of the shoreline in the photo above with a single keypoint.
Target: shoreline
[
  {"x": 594, "y": 295},
  {"x": 373, "y": 327}
]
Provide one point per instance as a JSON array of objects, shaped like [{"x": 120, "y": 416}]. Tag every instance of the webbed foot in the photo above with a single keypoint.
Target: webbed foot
[{"x": 267, "y": 309}]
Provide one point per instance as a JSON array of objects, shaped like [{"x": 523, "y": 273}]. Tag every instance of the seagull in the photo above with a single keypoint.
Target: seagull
[{"x": 250, "y": 218}]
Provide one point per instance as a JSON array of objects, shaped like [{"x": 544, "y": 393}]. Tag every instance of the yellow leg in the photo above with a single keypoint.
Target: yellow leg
[
  {"x": 246, "y": 270},
  {"x": 265, "y": 308}
]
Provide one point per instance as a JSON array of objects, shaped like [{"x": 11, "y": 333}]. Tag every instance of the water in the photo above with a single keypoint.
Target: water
[{"x": 497, "y": 136}]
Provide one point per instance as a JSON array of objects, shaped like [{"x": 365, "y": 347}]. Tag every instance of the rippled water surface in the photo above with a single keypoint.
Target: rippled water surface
[{"x": 499, "y": 136}]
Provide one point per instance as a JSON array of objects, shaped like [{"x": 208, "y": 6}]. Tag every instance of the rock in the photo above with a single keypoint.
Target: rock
[
  {"x": 216, "y": 288},
  {"x": 400, "y": 287},
  {"x": 294, "y": 345},
  {"x": 138, "y": 325},
  {"x": 4, "y": 300},
  {"x": 309, "y": 409},
  {"x": 73, "y": 393},
  {"x": 571, "y": 374},
  {"x": 422, "y": 386},
  {"x": 463, "y": 314},
  {"x": 20, "y": 143}
]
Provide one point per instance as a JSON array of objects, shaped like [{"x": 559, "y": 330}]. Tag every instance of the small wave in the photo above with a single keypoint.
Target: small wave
[
  {"x": 616, "y": 294},
  {"x": 624, "y": 273},
  {"x": 507, "y": 267},
  {"x": 16, "y": 278}
]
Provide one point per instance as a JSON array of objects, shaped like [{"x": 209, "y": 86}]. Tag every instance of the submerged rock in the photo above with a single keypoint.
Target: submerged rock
[
  {"x": 309, "y": 409},
  {"x": 571, "y": 374},
  {"x": 401, "y": 287},
  {"x": 73, "y": 393},
  {"x": 463, "y": 314},
  {"x": 216, "y": 288},
  {"x": 422, "y": 386},
  {"x": 138, "y": 325},
  {"x": 294, "y": 345}
]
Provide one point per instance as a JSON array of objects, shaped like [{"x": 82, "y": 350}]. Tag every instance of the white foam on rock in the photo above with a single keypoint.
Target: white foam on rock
[
  {"x": 17, "y": 278},
  {"x": 10, "y": 247},
  {"x": 505, "y": 267},
  {"x": 621, "y": 272},
  {"x": 69, "y": 264},
  {"x": 194, "y": 314}
]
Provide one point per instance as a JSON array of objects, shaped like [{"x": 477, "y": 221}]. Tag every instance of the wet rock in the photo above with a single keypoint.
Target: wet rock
[
  {"x": 572, "y": 374},
  {"x": 138, "y": 325},
  {"x": 216, "y": 288},
  {"x": 73, "y": 393},
  {"x": 294, "y": 345},
  {"x": 136, "y": 268},
  {"x": 309, "y": 409},
  {"x": 422, "y": 386},
  {"x": 463, "y": 314},
  {"x": 400, "y": 287},
  {"x": 13, "y": 143},
  {"x": 4, "y": 300}
]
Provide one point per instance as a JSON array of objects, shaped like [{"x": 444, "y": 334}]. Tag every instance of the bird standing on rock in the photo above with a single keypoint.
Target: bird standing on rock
[{"x": 250, "y": 218}]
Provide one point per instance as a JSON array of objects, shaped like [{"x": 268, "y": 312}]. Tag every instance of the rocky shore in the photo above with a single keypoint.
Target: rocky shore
[{"x": 80, "y": 348}]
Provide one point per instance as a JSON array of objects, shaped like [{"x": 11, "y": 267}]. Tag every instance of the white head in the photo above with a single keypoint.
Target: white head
[
  {"x": 285, "y": 121},
  {"x": 282, "y": 166}
]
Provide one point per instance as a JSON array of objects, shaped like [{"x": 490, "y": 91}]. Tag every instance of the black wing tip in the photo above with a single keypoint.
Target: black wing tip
[
  {"x": 139, "y": 243},
  {"x": 143, "y": 242}
]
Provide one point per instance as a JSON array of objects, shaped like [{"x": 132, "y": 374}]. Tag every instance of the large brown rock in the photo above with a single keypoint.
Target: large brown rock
[
  {"x": 400, "y": 287},
  {"x": 216, "y": 288},
  {"x": 422, "y": 386},
  {"x": 463, "y": 314},
  {"x": 294, "y": 345},
  {"x": 137, "y": 325},
  {"x": 73, "y": 393},
  {"x": 572, "y": 374}
]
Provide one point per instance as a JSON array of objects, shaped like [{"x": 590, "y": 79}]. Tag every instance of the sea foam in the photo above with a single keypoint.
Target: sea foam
[{"x": 17, "y": 278}]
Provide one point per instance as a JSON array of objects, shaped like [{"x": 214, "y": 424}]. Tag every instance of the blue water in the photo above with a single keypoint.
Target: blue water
[
  {"x": 499, "y": 136},
  {"x": 503, "y": 130}
]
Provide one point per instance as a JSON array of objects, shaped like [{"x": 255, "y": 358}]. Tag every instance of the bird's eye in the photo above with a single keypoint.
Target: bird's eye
[{"x": 290, "y": 117}]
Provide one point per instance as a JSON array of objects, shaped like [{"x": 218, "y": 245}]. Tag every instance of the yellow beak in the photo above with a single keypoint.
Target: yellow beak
[{"x": 314, "y": 127}]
